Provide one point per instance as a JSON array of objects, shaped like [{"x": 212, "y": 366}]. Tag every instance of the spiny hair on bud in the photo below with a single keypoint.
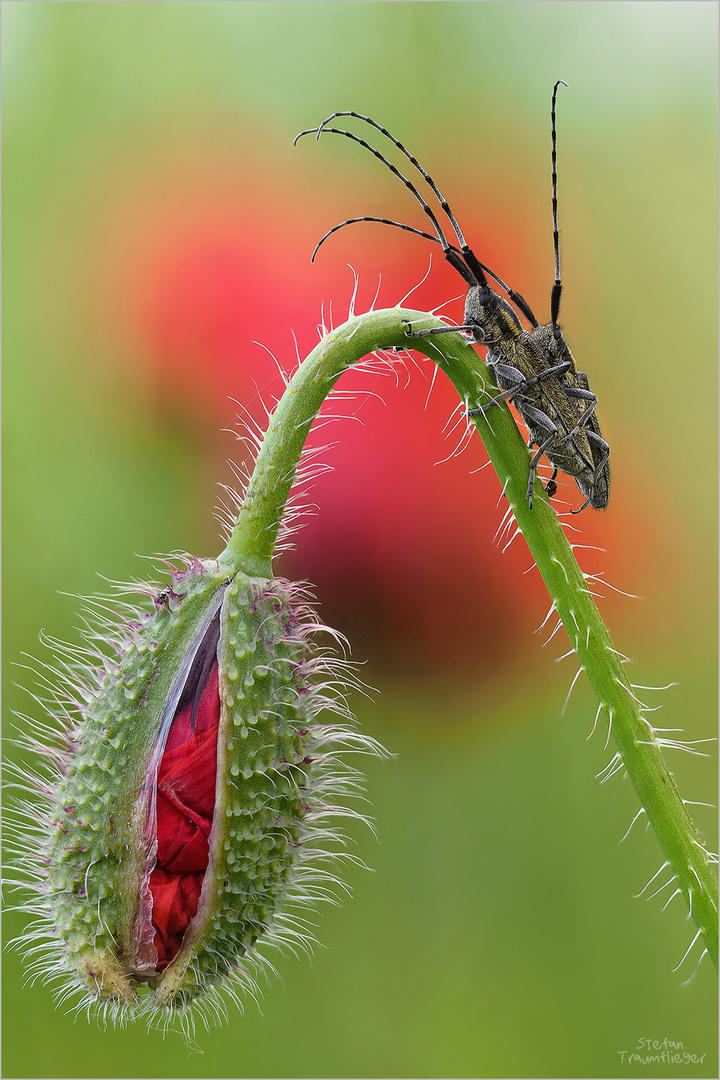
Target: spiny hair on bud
[{"x": 178, "y": 807}]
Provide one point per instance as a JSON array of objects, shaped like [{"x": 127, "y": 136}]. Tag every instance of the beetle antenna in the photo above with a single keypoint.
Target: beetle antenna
[
  {"x": 389, "y": 165},
  {"x": 471, "y": 261},
  {"x": 557, "y": 286},
  {"x": 414, "y": 161},
  {"x": 453, "y": 254}
]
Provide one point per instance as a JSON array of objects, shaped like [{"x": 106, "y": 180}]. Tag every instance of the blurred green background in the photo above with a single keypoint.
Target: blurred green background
[{"x": 158, "y": 222}]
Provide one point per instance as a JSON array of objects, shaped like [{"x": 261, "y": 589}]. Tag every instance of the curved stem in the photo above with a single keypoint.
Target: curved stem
[{"x": 252, "y": 543}]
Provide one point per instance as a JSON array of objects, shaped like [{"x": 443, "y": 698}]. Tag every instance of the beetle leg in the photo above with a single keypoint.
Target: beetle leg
[
  {"x": 599, "y": 441},
  {"x": 593, "y": 436},
  {"x": 585, "y": 395},
  {"x": 533, "y": 466},
  {"x": 551, "y": 486},
  {"x": 556, "y": 369},
  {"x": 540, "y": 418},
  {"x": 508, "y": 372},
  {"x": 409, "y": 332}
]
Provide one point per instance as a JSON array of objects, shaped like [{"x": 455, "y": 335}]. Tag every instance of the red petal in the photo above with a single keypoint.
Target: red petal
[
  {"x": 182, "y": 846},
  {"x": 175, "y": 902},
  {"x": 185, "y": 805}
]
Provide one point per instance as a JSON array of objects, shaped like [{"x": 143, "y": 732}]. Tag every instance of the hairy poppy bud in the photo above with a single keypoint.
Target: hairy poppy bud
[{"x": 189, "y": 805}]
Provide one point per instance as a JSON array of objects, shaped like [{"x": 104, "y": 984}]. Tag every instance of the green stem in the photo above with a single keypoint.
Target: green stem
[{"x": 252, "y": 544}]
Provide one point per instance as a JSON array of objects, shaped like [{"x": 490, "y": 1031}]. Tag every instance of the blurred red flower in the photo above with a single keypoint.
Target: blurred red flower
[{"x": 400, "y": 551}]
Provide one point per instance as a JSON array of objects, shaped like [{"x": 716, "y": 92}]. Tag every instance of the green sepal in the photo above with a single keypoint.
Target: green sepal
[{"x": 101, "y": 848}]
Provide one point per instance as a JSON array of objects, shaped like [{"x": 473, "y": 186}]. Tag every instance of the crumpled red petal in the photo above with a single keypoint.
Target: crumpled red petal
[{"x": 185, "y": 803}]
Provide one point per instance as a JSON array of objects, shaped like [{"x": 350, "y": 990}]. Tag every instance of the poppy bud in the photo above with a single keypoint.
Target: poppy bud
[{"x": 190, "y": 802}]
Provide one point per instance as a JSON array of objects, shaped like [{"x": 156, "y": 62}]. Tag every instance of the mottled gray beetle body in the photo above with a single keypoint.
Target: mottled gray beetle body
[{"x": 550, "y": 401}]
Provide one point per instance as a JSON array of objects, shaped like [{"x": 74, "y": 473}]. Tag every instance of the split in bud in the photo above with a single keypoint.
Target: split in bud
[{"x": 191, "y": 801}]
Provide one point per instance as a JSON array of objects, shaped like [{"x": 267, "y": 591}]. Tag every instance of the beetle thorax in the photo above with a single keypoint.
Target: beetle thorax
[
  {"x": 555, "y": 350},
  {"x": 494, "y": 318}
]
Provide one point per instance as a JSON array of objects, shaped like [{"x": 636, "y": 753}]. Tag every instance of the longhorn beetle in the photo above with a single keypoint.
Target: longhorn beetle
[{"x": 533, "y": 368}]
